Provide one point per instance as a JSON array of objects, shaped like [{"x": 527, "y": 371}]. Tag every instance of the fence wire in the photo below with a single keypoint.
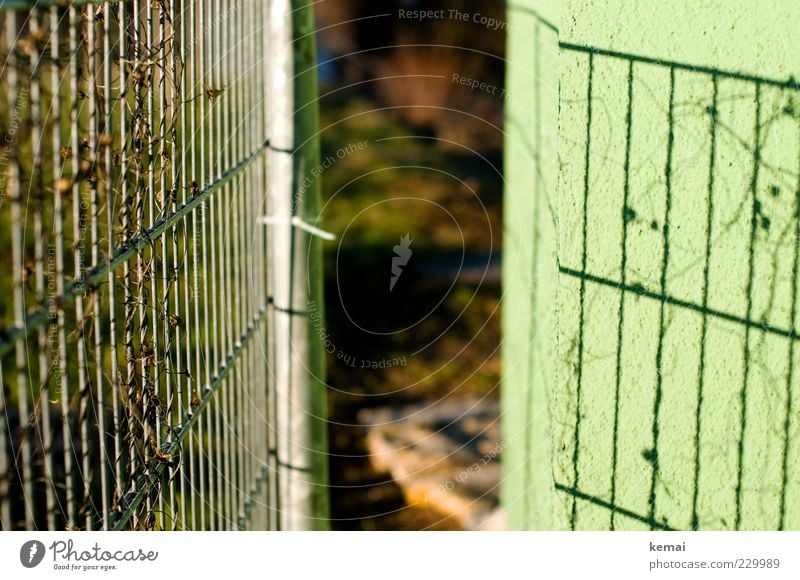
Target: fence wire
[{"x": 136, "y": 393}]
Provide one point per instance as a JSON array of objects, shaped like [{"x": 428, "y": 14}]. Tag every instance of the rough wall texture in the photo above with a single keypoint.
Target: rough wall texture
[
  {"x": 674, "y": 400},
  {"x": 530, "y": 270}
]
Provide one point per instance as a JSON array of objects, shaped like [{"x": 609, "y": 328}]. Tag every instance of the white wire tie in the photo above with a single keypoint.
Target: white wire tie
[{"x": 297, "y": 222}]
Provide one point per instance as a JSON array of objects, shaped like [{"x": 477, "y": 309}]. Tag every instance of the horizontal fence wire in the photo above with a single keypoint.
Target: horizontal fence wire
[
  {"x": 679, "y": 271},
  {"x": 135, "y": 389}
]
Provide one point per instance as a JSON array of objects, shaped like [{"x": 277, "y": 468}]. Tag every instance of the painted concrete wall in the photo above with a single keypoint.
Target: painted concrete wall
[
  {"x": 530, "y": 269},
  {"x": 674, "y": 400}
]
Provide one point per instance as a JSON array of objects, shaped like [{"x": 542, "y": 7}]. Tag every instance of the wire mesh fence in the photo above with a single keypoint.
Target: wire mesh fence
[
  {"x": 135, "y": 344},
  {"x": 678, "y": 316}
]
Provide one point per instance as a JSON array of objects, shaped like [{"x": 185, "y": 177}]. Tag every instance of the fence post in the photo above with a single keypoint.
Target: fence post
[{"x": 296, "y": 266}]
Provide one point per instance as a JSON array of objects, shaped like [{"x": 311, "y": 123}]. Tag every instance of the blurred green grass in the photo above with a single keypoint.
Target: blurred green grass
[{"x": 449, "y": 202}]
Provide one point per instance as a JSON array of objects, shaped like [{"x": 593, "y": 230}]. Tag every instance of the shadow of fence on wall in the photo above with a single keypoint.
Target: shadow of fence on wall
[{"x": 678, "y": 306}]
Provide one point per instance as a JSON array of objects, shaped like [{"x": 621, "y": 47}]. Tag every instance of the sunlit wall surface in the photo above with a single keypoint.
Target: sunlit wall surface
[{"x": 675, "y": 401}]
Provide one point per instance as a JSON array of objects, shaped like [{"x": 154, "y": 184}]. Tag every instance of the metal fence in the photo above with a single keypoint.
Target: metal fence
[
  {"x": 679, "y": 261},
  {"x": 152, "y": 358}
]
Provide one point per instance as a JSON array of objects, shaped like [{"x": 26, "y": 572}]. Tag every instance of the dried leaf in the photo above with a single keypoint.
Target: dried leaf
[{"x": 213, "y": 93}]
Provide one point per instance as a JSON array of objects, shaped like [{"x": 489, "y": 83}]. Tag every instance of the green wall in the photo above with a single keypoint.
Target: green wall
[
  {"x": 671, "y": 400},
  {"x": 530, "y": 273}
]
